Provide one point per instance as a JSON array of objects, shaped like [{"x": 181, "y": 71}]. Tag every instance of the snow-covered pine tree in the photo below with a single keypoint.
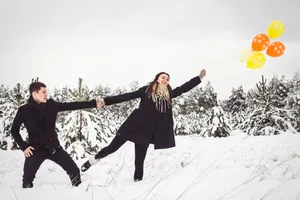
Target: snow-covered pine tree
[
  {"x": 101, "y": 91},
  {"x": 132, "y": 105},
  {"x": 218, "y": 125},
  {"x": 237, "y": 101},
  {"x": 116, "y": 114},
  {"x": 183, "y": 106},
  {"x": 13, "y": 99},
  {"x": 129, "y": 106},
  {"x": 294, "y": 107},
  {"x": 177, "y": 108},
  {"x": 192, "y": 123},
  {"x": 236, "y": 106},
  {"x": 263, "y": 117},
  {"x": 3, "y": 92},
  {"x": 188, "y": 102},
  {"x": 209, "y": 98},
  {"x": 197, "y": 100},
  {"x": 192, "y": 109},
  {"x": 61, "y": 95},
  {"x": 294, "y": 100},
  {"x": 79, "y": 129},
  {"x": 295, "y": 81},
  {"x": 278, "y": 91}
]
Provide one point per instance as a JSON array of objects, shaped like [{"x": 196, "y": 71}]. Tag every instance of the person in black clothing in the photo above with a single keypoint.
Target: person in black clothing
[
  {"x": 39, "y": 118},
  {"x": 151, "y": 123}
]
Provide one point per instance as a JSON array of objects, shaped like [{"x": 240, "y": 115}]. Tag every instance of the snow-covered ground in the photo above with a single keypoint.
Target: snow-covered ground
[{"x": 237, "y": 167}]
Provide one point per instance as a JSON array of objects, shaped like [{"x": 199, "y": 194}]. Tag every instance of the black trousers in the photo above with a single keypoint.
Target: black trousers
[
  {"x": 60, "y": 157},
  {"x": 140, "y": 154}
]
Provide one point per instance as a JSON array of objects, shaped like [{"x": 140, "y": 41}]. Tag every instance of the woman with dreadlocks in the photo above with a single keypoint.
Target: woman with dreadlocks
[{"x": 151, "y": 123}]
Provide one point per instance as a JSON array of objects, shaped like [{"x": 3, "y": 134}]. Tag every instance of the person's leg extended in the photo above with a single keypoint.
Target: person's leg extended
[
  {"x": 115, "y": 144},
  {"x": 63, "y": 159},
  {"x": 140, "y": 155},
  {"x": 31, "y": 166}
]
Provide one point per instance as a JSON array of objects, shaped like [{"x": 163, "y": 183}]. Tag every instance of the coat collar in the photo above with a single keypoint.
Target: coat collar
[{"x": 38, "y": 106}]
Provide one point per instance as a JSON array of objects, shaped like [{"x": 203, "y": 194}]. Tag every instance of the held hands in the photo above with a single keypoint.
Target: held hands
[
  {"x": 100, "y": 102},
  {"x": 28, "y": 152},
  {"x": 202, "y": 74}
]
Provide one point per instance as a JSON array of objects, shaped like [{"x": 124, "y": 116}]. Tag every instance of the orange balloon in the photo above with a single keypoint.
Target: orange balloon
[
  {"x": 260, "y": 42},
  {"x": 276, "y": 49}
]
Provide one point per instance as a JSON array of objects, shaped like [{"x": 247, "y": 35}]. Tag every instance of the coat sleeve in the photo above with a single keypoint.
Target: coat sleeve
[
  {"x": 125, "y": 97},
  {"x": 15, "y": 130},
  {"x": 186, "y": 87},
  {"x": 75, "y": 105}
]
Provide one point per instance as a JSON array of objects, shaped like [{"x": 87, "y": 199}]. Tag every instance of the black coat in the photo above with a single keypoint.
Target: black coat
[
  {"x": 146, "y": 125},
  {"x": 39, "y": 120}
]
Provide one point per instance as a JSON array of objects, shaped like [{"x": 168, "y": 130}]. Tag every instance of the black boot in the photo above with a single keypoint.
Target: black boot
[
  {"x": 138, "y": 175},
  {"x": 27, "y": 185},
  {"x": 75, "y": 180},
  {"x": 137, "y": 179},
  {"x": 92, "y": 161},
  {"x": 85, "y": 166}
]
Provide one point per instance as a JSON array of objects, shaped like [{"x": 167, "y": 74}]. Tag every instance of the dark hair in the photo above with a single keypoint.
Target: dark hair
[
  {"x": 36, "y": 86},
  {"x": 151, "y": 84}
]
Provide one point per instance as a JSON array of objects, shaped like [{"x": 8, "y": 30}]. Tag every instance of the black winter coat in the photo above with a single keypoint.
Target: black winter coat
[
  {"x": 39, "y": 120},
  {"x": 146, "y": 125}
]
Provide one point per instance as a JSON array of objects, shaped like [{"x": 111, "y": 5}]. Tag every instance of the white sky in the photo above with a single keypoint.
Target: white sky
[{"x": 116, "y": 42}]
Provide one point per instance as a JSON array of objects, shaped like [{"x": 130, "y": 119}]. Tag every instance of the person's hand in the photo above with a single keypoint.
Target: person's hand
[
  {"x": 202, "y": 74},
  {"x": 28, "y": 152},
  {"x": 100, "y": 103}
]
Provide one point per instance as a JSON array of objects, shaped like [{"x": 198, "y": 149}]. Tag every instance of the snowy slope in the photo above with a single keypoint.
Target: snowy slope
[{"x": 237, "y": 167}]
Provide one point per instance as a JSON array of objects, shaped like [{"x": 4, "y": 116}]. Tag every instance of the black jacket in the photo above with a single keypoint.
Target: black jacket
[
  {"x": 39, "y": 120},
  {"x": 146, "y": 125}
]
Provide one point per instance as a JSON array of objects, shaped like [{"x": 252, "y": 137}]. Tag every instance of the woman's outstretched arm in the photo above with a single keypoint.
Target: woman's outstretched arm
[
  {"x": 187, "y": 86},
  {"x": 124, "y": 97}
]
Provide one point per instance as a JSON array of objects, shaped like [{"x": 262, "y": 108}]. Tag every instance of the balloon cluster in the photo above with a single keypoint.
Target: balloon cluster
[{"x": 254, "y": 57}]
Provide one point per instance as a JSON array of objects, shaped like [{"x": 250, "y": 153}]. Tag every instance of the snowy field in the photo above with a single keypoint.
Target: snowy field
[{"x": 235, "y": 168}]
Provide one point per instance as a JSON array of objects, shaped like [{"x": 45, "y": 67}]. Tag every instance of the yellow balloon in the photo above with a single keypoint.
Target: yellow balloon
[
  {"x": 246, "y": 53},
  {"x": 275, "y": 29},
  {"x": 256, "y": 60}
]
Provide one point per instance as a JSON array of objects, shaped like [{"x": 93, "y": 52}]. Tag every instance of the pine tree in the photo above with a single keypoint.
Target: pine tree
[
  {"x": 183, "y": 105},
  {"x": 237, "y": 101},
  {"x": 3, "y": 93},
  {"x": 263, "y": 117},
  {"x": 79, "y": 129},
  {"x": 61, "y": 95},
  {"x": 103, "y": 114},
  {"x": 197, "y": 100},
  {"x": 3, "y": 90},
  {"x": 218, "y": 125},
  {"x": 116, "y": 114},
  {"x": 190, "y": 124},
  {"x": 3, "y": 96},
  {"x": 236, "y": 106},
  {"x": 278, "y": 92},
  {"x": 13, "y": 99},
  {"x": 295, "y": 82},
  {"x": 191, "y": 110},
  {"x": 295, "y": 110},
  {"x": 209, "y": 98},
  {"x": 293, "y": 103}
]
